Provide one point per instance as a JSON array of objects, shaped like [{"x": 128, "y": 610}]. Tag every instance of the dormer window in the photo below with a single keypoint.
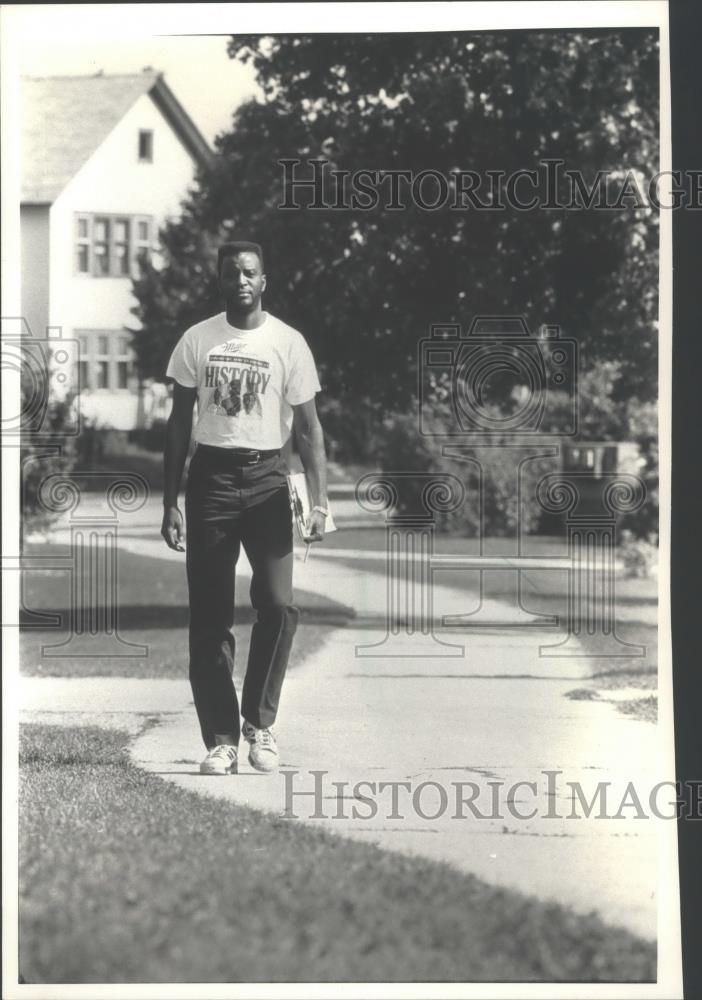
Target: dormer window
[{"x": 146, "y": 146}]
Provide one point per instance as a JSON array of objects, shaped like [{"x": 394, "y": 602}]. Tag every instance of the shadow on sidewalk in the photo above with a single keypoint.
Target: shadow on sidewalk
[{"x": 168, "y": 616}]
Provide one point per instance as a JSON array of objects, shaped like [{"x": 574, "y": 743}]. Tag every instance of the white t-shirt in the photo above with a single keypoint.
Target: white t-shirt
[{"x": 247, "y": 380}]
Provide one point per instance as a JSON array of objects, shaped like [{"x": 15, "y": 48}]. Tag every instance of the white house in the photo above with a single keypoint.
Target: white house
[{"x": 105, "y": 161}]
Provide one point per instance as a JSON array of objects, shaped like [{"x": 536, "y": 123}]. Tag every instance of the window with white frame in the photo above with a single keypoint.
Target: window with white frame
[
  {"x": 83, "y": 245},
  {"x": 83, "y": 366},
  {"x": 123, "y": 362},
  {"x": 146, "y": 146},
  {"x": 106, "y": 359},
  {"x": 120, "y": 243},
  {"x": 142, "y": 240},
  {"x": 111, "y": 246}
]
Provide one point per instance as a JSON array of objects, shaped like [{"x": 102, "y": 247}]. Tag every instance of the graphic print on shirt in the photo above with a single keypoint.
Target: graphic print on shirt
[{"x": 238, "y": 384}]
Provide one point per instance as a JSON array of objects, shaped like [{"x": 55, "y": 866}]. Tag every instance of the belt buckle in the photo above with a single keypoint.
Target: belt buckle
[{"x": 255, "y": 458}]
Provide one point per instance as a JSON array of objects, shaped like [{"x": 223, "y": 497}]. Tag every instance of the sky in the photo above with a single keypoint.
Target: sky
[{"x": 208, "y": 84}]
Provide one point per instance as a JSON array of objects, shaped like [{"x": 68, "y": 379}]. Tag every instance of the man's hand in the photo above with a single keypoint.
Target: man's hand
[
  {"x": 310, "y": 442},
  {"x": 316, "y": 524},
  {"x": 172, "y": 529}
]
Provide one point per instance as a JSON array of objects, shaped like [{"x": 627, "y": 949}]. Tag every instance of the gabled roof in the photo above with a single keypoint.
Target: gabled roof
[{"x": 66, "y": 118}]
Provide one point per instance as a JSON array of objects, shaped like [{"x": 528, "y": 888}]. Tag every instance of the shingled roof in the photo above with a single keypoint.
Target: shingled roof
[{"x": 66, "y": 118}]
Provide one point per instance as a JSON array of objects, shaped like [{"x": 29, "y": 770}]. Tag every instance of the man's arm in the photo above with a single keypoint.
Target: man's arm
[
  {"x": 178, "y": 431},
  {"x": 310, "y": 442}
]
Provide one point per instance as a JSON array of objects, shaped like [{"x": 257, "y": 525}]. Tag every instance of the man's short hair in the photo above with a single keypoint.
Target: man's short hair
[{"x": 234, "y": 249}]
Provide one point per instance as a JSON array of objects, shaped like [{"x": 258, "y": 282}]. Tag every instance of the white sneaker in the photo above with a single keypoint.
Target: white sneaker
[
  {"x": 222, "y": 759},
  {"x": 263, "y": 749}
]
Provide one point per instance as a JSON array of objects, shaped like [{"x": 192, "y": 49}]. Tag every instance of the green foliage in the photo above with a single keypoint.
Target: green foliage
[
  {"x": 639, "y": 556},
  {"x": 643, "y": 422},
  {"x": 38, "y": 461},
  {"x": 401, "y": 447},
  {"x": 350, "y": 429},
  {"x": 150, "y": 438},
  {"x": 607, "y": 414},
  {"x": 364, "y": 286},
  {"x": 398, "y": 445}
]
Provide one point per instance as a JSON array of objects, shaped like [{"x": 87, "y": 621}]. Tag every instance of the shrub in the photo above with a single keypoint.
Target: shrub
[
  {"x": 639, "y": 556},
  {"x": 38, "y": 461},
  {"x": 604, "y": 416},
  {"x": 642, "y": 420},
  {"x": 350, "y": 430},
  {"x": 150, "y": 438},
  {"x": 401, "y": 447}
]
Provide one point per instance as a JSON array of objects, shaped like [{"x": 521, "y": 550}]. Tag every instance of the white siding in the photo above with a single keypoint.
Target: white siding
[
  {"x": 113, "y": 182},
  {"x": 34, "y": 221}
]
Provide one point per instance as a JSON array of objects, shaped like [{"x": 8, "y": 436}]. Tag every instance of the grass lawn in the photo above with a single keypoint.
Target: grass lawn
[
  {"x": 641, "y": 708},
  {"x": 125, "y": 878},
  {"x": 154, "y": 614}
]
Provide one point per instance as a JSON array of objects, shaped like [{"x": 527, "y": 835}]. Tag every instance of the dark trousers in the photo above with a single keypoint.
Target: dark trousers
[{"x": 227, "y": 506}]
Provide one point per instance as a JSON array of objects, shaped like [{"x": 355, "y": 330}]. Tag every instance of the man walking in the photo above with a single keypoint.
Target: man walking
[{"x": 254, "y": 379}]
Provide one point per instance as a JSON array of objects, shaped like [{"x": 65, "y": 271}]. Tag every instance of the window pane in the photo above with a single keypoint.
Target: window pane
[
  {"x": 609, "y": 459},
  {"x": 123, "y": 346},
  {"x": 122, "y": 259},
  {"x": 83, "y": 341},
  {"x": 103, "y": 345},
  {"x": 121, "y": 230},
  {"x": 102, "y": 259},
  {"x": 101, "y": 373},
  {"x": 145, "y": 145},
  {"x": 83, "y": 374},
  {"x": 83, "y": 263},
  {"x": 101, "y": 231},
  {"x": 143, "y": 230},
  {"x": 83, "y": 229},
  {"x": 122, "y": 374}
]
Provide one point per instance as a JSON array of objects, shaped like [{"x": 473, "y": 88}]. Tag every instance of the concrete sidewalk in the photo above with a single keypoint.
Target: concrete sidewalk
[
  {"x": 356, "y": 730},
  {"x": 351, "y": 731}
]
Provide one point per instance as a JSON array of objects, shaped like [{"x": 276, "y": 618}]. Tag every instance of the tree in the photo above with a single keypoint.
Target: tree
[{"x": 365, "y": 286}]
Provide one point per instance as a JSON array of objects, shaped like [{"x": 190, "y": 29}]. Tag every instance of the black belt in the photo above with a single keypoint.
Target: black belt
[{"x": 239, "y": 456}]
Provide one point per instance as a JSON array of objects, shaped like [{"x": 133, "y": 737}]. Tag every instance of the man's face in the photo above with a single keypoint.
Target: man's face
[{"x": 242, "y": 281}]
